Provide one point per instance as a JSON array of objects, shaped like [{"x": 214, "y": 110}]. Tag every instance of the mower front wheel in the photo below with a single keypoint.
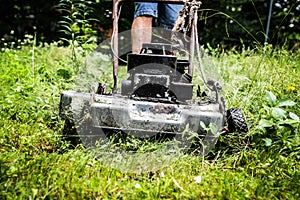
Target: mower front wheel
[{"x": 236, "y": 121}]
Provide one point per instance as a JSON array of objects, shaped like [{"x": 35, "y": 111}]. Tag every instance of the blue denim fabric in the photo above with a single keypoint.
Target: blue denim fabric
[{"x": 165, "y": 14}]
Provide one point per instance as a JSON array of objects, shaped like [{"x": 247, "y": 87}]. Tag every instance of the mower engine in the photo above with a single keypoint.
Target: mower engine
[{"x": 157, "y": 75}]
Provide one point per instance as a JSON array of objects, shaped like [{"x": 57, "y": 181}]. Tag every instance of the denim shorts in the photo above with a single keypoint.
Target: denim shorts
[{"x": 165, "y": 14}]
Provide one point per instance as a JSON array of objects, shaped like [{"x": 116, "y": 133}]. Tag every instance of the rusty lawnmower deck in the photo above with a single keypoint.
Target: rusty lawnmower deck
[{"x": 157, "y": 99}]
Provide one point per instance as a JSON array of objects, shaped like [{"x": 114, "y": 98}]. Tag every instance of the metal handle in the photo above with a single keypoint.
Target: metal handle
[{"x": 116, "y": 6}]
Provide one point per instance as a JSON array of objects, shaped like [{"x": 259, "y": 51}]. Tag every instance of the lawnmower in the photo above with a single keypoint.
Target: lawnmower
[{"x": 158, "y": 99}]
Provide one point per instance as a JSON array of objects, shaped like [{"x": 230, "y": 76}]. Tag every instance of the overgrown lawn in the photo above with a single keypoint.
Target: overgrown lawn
[{"x": 263, "y": 164}]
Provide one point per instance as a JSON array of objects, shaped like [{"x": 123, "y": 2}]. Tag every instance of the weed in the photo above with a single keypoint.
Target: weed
[
  {"x": 77, "y": 23},
  {"x": 279, "y": 127}
]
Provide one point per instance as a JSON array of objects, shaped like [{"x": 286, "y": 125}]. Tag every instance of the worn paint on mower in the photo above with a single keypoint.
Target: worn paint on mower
[{"x": 155, "y": 102}]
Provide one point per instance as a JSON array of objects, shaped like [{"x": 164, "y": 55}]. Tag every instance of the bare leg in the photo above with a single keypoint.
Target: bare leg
[{"x": 141, "y": 32}]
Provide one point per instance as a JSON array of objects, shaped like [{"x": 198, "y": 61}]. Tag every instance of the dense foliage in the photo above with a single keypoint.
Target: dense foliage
[
  {"x": 35, "y": 162},
  {"x": 227, "y": 23}
]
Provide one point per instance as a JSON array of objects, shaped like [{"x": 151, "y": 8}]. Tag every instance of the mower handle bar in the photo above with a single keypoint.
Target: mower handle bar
[{"x": 116, "y": 6}]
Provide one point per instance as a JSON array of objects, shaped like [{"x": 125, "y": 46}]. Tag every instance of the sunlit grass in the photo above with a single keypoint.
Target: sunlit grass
[{"x": 36, "y": 163}]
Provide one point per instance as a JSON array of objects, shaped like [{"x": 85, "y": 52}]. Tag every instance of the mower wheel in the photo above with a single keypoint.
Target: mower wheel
[{"x": 236, "y": 121}]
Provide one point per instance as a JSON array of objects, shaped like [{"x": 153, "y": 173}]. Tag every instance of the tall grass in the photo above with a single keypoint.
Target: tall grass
[{"x": 36, "y": 163}]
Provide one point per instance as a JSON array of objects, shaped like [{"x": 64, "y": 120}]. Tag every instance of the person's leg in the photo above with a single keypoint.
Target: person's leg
[{"x": 141, "y": 30}]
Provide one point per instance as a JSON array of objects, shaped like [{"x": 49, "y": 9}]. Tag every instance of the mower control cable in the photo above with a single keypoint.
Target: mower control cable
[{"x": 187, "y": 23}]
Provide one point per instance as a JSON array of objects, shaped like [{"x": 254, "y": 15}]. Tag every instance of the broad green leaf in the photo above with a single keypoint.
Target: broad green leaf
[
  {"x": 294, "y": 116},
  {"x": 271, "y": 98},
  {"x": 278, "y": 113},
  {"x": 67, "y": 28},
  {"x": 263, "y": 123},
  {"x": 268, "y": 142},
  {"x": 288, "y": 122},
  {"x": 213, "y": 128},
  {"x": 285, "y": 102},
  {"x": 202, "y": 125}
]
